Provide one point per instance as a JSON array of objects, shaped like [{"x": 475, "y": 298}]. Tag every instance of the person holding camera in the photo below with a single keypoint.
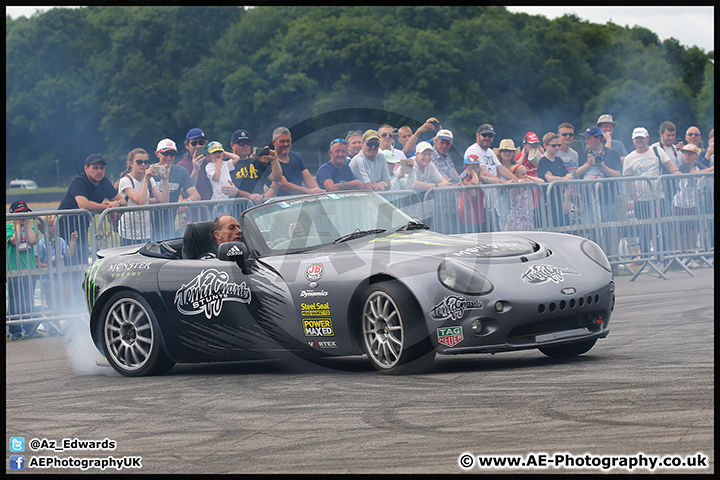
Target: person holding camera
[
  {"x": 135, "y": 188},
  {"x": 431, "y": 125},
  {"x": 596, "y": 160},
  {"x": 251, "y": 171}
]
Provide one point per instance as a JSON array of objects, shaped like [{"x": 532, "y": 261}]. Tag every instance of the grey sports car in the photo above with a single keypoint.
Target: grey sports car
[{"x": 345, "y": 273}]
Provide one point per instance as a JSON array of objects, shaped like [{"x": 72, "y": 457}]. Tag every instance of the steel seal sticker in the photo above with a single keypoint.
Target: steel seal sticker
[
  {"x": 538, "y": 274},
  {"x": 207, "y": 292},
  {"x": 453, "y": 308},
  {"x": 450, "y": 336},
  {"x": 316, "y": 327}
]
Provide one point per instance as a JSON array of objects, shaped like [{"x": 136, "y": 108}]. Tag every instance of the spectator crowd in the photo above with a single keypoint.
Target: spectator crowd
[{"x": 379, "y": 160}]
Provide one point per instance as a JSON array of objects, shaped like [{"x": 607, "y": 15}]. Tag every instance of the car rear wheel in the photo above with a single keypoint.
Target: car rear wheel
[
  {"x": 394, "y": 338},
  {"x": 569, "y": 349},
  {"x": 131, "y": 337}
]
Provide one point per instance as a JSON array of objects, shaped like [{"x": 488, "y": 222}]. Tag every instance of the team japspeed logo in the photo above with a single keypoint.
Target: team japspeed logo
[
  {"x": 538, "y": 274},
  {"x": 207, "y": 292},
  {"x": 314, "y": 272},
  {"x": 453, "y": 308},
  {"x": 450, "y": 336}
]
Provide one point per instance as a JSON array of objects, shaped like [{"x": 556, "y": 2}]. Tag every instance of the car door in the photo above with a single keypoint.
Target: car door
[{"x": 221, "y": 313}]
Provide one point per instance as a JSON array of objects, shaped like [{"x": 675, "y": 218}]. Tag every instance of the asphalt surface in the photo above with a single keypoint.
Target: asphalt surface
[{"x": 646, "y": 391}]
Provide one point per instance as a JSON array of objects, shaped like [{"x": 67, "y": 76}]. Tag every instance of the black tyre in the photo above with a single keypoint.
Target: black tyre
[
  {"x": 131, "y": 337},
  {"x": 569, "y": 349},
  {"x": 394, "y": 336}
]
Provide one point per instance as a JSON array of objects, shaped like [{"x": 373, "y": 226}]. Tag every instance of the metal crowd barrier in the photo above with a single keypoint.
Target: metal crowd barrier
[
  {"x": 639, "y": 223},
  {"x": 42, "y": 289}
]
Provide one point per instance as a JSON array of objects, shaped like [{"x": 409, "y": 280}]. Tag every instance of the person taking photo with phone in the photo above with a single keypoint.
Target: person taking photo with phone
[{"x": 136, "y": 188}]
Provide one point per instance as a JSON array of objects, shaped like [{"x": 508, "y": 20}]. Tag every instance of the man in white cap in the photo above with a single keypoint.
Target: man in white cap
[
  {"x": 442, "y": 143},
  {"x": 607, "y": 125},
  {"x": 427, "y": 175},
  {"x": 182, "y": 189},
  {"x": 645, "y": 162}
]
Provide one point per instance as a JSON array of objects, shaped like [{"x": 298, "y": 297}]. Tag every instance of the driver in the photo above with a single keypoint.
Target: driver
[{"x": 223, "y": 229}]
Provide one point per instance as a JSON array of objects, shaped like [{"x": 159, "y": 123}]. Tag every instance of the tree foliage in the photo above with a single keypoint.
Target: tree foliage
[{"x": 109, "y": 79}]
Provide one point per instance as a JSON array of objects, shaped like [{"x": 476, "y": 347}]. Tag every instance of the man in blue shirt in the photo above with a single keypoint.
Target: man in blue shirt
[
  {"x": 335, "y": 174},
  {"x": 294, "y": 170}
]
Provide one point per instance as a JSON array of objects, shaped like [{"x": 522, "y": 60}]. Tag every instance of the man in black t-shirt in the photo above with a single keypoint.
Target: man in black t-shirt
[
  {"x": 91, "y": 191},
  {"x": 252, "y": 173}
]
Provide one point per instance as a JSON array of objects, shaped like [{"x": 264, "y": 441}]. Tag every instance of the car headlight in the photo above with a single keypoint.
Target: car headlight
[
  {"x": 463, "y": 278},
  {"x": 595, "y": 253}
]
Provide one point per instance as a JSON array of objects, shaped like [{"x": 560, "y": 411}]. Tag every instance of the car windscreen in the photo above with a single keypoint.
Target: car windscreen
[{"x": 305, "y": 222}]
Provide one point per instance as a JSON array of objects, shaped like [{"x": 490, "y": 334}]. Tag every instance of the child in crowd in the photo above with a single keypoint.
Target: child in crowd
[
  {"x": 218, "y": 169},
  {"x": 45, "y": 258}
]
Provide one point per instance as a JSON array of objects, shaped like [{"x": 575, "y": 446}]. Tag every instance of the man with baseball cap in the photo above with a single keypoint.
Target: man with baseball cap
[
  {"x": 596, "y": 160},
  {"x": 182, "y": 189},
  {"x": 251, "y": 173},
  {"x": 194, "y": 162},
  {"x": 20, "y": 237},
  {"x": 645, "y": 162},
  {"x": 370, "y": 167},
  {"x": 91, "y": 190},
  {"x": 481, "y": 152},
  {"x": 442, "y": 143}
]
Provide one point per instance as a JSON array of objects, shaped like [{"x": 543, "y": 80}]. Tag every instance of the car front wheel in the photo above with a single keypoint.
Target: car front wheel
[
  {"x": 131, "y": 337},
  {"x": 394, "y": 336}
]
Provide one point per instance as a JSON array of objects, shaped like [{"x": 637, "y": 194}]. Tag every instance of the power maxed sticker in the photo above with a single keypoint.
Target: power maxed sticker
[{"x": 207, "y": 292}]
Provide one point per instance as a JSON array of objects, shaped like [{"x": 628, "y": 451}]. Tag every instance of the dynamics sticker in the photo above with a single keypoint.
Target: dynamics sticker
[
  {"x": 453, "y": 307},
  {"x": 539, "y": 274},
  {"x": 207, "y": 292}
]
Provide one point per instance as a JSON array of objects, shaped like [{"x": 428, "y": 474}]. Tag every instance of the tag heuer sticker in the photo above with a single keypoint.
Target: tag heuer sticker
[
  {"x": 450, "y": 336},
  {"x": 314, "y": 272}
]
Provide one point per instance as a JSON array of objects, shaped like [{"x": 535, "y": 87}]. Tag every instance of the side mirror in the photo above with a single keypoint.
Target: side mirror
[{"x": 234, "y": 252}]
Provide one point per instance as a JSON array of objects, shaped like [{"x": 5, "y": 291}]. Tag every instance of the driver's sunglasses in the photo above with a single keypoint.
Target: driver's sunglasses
[{"x": 195, "y": 143}]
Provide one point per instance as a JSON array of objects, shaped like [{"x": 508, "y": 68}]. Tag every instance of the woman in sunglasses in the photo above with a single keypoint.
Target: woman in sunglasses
[{"x": 136, "y": 187}]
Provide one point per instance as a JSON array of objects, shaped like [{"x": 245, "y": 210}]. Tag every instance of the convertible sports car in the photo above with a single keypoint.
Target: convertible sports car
[{"x": 345, "y": 273}]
